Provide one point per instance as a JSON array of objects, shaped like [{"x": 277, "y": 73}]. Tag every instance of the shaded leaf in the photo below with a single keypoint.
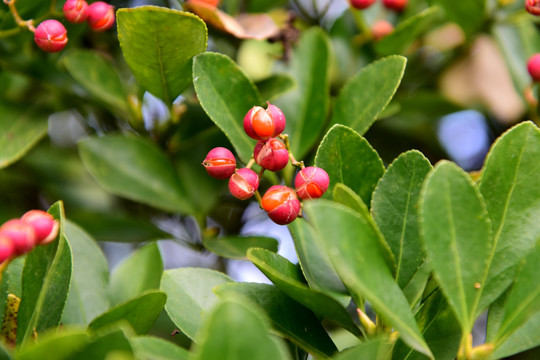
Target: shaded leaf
[
  {"x": 108, "y": 343},
  {"x": 236, "y": 247},
  {"x": 153, "y": 348},
  {"x": 275, "y": 85},
  {"x": 526, "y": 337},
  {"x": 469, "y": 15},
  {"x": 376, "y": 349},
  {"x": 55, "y": 345},
  {"x": 346, "y": 196}
]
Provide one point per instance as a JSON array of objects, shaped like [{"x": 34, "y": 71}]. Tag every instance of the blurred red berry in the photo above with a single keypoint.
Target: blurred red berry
[
  {"x": 533, "y": 6},
  {"x": 397, "y": 5},
  {"x": 243, "y": 183},
  {"x": 311, "y": 182},
  {"x": 44, "y": 225},
  {"x": 361, "y": 4},
  {"x": 101, "y": 16},
  {"x": 51, "y": 36},
  {"x": 7, "y": 249},
  {"x": 271, "y": 154},
  {"x": 261, "y": 124},
  {"x": 21, "y": 235},
  {"x": 281, "y": 204},
  {"x": 75, "y": 11},
  {"x": 533, "y": 66},
  {"x": 220, "y": 163},
  {"x": 381, "y": 28}
]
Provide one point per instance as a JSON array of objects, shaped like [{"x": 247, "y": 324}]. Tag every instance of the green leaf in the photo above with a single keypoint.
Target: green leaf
[
  {"x": 346, "y": 196},
  {"x": 524, "y": 338},
  {"x": 408, "y": 31},
  {"x": 469, "y": 15},
  {"x": 19, "y": 132},
  {"x": 368, "y": 93},
  {"x": 54, "y": 345},
  {"x": 153, "y": 348},
  {"x": 306, "y": 107},
  {"x": 349, "y": 159},
  {"x": 275, "y": 85},
  {"x": 45, "y": 283},
  {"x": 395, "y": 211},
  {"x": 111, "y": 343},
  {"x": 141, "y": 312},
  {"x": 235, "y": 330},
  {"x": 415, "y": 288},
  {"x": 236, "y": 247},
  {"x": 134, "y": 168},
  {"x": 376, "y": 349},
  {"x": 291, "y": 319},
  {"x": 140, "y": 272},
  {"x": 226, "y": 99},
  {"x": 512, "y": 196},
  {"x": 86, "y": 298},
  {"x": 287, "y": 278},
  {"x": 524, "y": 300},
  {"x": 190, "y": 296},
  {"x": 98, "y": 76},
  {"x": 169, "y": 39},
  {"x": 457, "y": 238},
  {"x": 355, "y": 250}
]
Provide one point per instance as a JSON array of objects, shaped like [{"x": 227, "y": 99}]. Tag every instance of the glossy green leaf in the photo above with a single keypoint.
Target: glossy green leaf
[
  {"x": 140, "y": 312},
  {"x": 140, "y": 272},
  {"x": 395, "y": 211},
  {"x": 235, "y": 330},
  {"x": 346, "y": 196},
  {"x": 98, "y": 77},
  {"x": 524, "y": 300},
  {"x": 226, "y": 99},
  {"x": 86, "y": 298},
  {"x": 469, "y": 15},
  {"x": 355, "y": 250},
  {"x": 153, "y": 348},
  {"x": 190, "y": 296},
  {"x": 408, "y": 31},
  {"x": 306, "y": 107},
  {"x": 55, "y": 345},
  {"x": 111, "y": 343},
  {"x": 134, "y": 168},
  {"x": 349, "y": 159},
  {"x": 457, "y": 238},
  {"x": 236, "y": 247},
  {"x": 524, "y": 338},
  {"x": 287, "y": 278},
  {"x": 291, "y": 319},
  {"x": 376, "y": 349},
  {"x": 275, "y": 85},
  {"x": 368, "y": 93},
  {"x": 45, "y": 283},
  {"x": 415, "y": 288},
  {"x": 509, "y": 184},
  {"x": 19, "y": 132},
  {"x": 169, "y": 39}
]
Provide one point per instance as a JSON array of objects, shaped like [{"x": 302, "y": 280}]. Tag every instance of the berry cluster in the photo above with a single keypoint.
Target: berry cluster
[
  {"x": 19, "y": 236},
  {"x": 51, "y": 35},
  {"x": 280, "y": 202},
  {"x": 396, "y": 5}
]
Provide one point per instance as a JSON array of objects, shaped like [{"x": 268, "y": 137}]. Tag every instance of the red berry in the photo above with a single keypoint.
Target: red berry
[
  {"x": 261, "y": 124},
  {"x": 533, "y": 6},
  {"x": 44, "y": 225},
  {"x": 6, "y": 248},
  {"x": 50, "y": 36},
  {"x": 361, "y": 4},
  {"x": 533, "y": 66},
  {"x": 21, "y": 235},
  {"x": 282, "y": 204},
  {"x": 220, "y": 163},
  {"x": 75, "y": 11},
  {"x": 311, "y": 182},
  {"x": 381, "y": 28},
  {"x": 397, "y": 5},
  {"x": 243, "y": 183},
  {"x": 100, "y": 16},
  {"x": 271, "y": 154},
  {"x": 210, "y": 3}
]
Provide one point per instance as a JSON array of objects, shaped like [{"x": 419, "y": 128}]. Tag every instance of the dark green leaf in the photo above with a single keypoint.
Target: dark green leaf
[
  {"x": 226, "y": 99},
  {"x": 106, "y": 344},
  {"x": 377, "y": 349},
  {"x": 368, "y": 93},
  {"x": 395, "y": 211},
  {"x": 152, "y": 348},
  {"x": 55, "y": 345},
  {"x": 134, "y": 168},
  {"x": 354, "y": 247},
  {"x": 275, "y": 85},
  {"x": 469, "y": 15},
  {"x": 190, "y": 296},
  {"x": 169, "y": 39},
  {"x": 140, "y": 313},
  {"x": 236, "y": 247},
  {"x": 349, "y": 159}
]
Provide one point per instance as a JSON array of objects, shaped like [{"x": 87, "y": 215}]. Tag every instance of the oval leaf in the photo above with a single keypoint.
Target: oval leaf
[
  {"x": 169, "y": 39},
  {"x": 153, "y": 348},
  {"x": 236, "y": 247},
  {"x": 469, "y": 15}
]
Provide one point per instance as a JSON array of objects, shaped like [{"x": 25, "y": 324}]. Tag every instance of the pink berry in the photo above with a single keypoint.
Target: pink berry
[
  {"x": 397, "y": 5},
  {"x": 281, "y": 203},
  {"x": 533, "y": 66},
  {"x": 381, "y": 28},
  {"x": 100, "y": 16},
  {"x": 75, "y": 11},
  {"x": 44, "y": 225},
  {"x": 220, "y": 163},
  {"x": 533, "y": 6},
  {"x": 20, "y": 234},
  {"x": 311, "y": 182},
  {"x": 271, "y": 154},
  {"x": 243, "y": 183},
  {"x": 50, "y": 36},
  {"x": 7, "y": 249},
  {"x": 361, "y": 4},
  {"x": 261, "y": 124}
]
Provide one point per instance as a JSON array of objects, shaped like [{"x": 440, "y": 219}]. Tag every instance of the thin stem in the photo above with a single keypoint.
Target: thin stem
[
  {"x": 258, "y": 197},
  {"x": 250, "y": 163},
  {"x": 52, "y": 8},
  {"x": 295, "y": 162},
  {"x": 29, "y": 24}
]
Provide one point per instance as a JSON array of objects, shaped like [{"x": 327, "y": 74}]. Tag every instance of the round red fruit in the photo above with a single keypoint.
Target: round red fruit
[
  {"x": 261, "y": 124},
  {"x": 7, "y": 249},
  {"x": 100, "y": 16},
  {"x": 533, "y": 7},
  {"x": 281, "y": 204},
  {"x": 220, "y": 163},
  {"x": 51, "y": 36},
  {"x": 243, "y": 183},
  {"x": 44, "y": 225},
  {"x": 361, "y": 4},
  {"x": 22, "y": 236},
  {"x": 397, "y": 5},
  {"x": 311, "y": 182},
  {"x": 381, "y": 28},
  {"x": 75, "y": 11},
  {"x": 533, "y": 66},
  {"x": 271, "y": 154}
]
